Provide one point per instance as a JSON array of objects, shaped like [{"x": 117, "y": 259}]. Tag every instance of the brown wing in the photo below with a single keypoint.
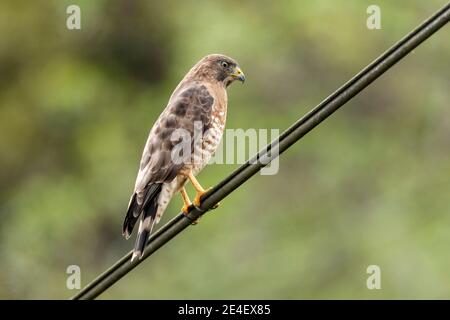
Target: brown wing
[
  {"x": 188, "y": 105},
  {"x": 192, "y": 104}
]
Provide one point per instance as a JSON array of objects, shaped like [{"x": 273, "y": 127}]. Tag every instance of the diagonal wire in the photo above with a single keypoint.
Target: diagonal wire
[{"x": 276, "y": 147}]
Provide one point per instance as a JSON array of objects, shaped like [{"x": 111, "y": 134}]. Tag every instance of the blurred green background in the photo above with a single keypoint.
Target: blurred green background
[{"x": 371, "y": 185}]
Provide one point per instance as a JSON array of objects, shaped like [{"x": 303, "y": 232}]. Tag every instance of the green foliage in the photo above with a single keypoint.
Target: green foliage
[{"x": 369, "y": 186}]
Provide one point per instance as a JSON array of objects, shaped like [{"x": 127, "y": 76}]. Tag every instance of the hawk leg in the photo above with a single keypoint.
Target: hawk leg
[
  {"x": 199, "y": 189},
  {"x": 187, "y": 202}
]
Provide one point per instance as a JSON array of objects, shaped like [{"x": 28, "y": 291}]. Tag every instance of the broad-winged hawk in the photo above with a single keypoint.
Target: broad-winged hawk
[{"x": 200, "y": 99}]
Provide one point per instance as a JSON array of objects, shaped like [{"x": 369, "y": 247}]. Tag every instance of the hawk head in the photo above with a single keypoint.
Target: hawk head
[{"x": 218, "y": 67}]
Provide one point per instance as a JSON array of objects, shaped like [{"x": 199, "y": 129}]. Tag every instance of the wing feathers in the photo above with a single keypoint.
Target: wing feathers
[
  {"x": 187, "y": 105},
  {"x": 135, "y": 207}
]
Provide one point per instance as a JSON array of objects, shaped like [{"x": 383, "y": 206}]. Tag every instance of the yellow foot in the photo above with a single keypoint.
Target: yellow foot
[
  {"x": 185, "y": 209},
  {"x": 198, "y": 197}
]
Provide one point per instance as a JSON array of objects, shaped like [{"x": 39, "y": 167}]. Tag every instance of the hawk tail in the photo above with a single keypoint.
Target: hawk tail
[
  {"x": 133, "y": 212},
  {"x": 147, "y": 210},
  {"x": 145, "y": 228}
]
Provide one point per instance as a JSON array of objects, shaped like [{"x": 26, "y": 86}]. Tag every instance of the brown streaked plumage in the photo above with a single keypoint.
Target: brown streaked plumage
[{"x": 200, "y": 98}]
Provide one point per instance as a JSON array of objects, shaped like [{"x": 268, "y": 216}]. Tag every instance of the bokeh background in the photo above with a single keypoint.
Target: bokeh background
[{"x": 371, "y": 185}]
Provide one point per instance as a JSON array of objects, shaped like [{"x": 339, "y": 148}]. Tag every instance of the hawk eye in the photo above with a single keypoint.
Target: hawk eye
[{"x": 224, "y": 64}]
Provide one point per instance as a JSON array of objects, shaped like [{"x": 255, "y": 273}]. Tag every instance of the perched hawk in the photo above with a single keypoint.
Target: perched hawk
[{"x": 198, "y": 103}]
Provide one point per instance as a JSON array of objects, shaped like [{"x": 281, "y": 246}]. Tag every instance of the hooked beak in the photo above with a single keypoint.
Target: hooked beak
[{"x": 238, "y": 74}]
